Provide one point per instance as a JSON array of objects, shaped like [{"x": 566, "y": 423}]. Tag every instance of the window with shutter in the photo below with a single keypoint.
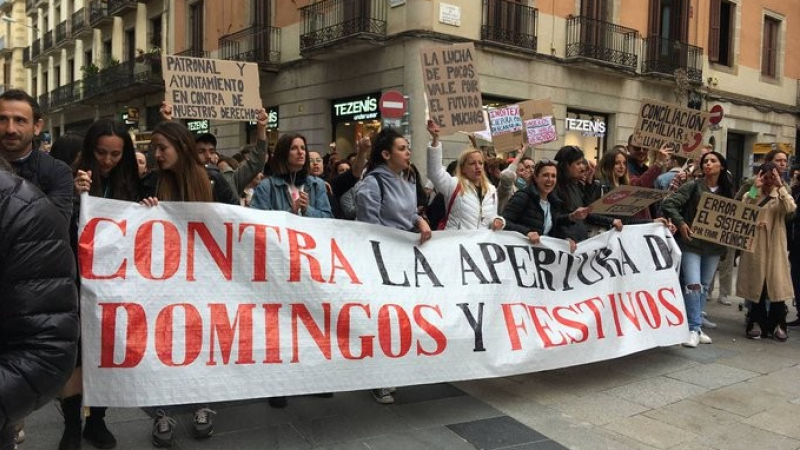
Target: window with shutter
[
  {"x": 769, "y": 53},
  {"x": 713, "y": 32}
]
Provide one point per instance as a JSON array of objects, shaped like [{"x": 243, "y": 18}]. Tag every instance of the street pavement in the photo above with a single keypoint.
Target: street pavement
[{"x": 733, "y": 394}]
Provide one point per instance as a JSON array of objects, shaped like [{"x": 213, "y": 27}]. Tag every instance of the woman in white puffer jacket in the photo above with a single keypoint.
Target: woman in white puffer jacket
[{"x": 472, "y": 196}]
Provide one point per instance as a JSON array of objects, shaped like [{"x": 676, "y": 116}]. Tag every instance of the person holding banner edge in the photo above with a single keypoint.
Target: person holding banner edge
[
  {"x": 472, "y": 201},
  {"x": 700, "y": 258},
  {"x": 764, "y": 273}
]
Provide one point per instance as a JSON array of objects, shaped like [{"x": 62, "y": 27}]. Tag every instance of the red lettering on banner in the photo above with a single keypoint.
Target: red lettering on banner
[
  {"x": 135, "y": 334},
  {"x": 559, "y": 317},
  {"x": 628, "y": 310},
  {"x": 223, "y": 260},
  {"x": 594, "y": 304},
  {"x": 223, "y": 331},
  {"x": 259, "y": 247},
  {"x": 653, "y": 319},
  {"x": 322, "y": 339},
  {"x": 385, "y": 330},
  {"x": 431, "y": 330},
  {"x": 296, "y": 252},
  {"x": 338, "y": 261},
  {"x": 542, "y": 329},
  {"x": 512, "y": 326},
  {"x": 343, "y": 335},
  {"x": 86, "y": 250},
  {"x": 192, "y": 339},
  {"x": 676, "y": 312},
  {"x": 273, "y": 333},
  {"x": 143, "y": 249}
]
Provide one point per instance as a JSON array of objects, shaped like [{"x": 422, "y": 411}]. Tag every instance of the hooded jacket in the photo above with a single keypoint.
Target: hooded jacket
[{"x": 386, "y": 198}]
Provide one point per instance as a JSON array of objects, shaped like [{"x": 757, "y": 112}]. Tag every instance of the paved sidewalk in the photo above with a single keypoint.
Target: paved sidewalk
[{"x": 733, "y": 394}]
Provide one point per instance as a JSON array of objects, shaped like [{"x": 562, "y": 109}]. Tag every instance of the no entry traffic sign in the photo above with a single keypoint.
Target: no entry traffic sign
[
  {"x": 716, "y": 114},
  {"x": 392, "y": 105}
]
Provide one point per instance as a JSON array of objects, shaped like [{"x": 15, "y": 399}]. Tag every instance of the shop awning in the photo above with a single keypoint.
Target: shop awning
[{"x": 761, "y": 148}]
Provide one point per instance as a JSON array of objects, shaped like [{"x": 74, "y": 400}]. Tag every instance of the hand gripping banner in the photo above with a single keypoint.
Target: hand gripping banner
[{"x": 195, "y": 302}]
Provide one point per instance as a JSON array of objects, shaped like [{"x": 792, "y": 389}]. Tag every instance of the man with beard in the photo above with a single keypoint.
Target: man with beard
[{"x": 20, "y": 122}]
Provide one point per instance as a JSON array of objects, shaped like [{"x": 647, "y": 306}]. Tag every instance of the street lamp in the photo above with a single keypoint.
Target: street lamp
[{"x": 7, "y": 19}]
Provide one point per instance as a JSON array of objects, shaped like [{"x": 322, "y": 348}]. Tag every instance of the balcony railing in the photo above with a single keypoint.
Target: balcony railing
[
  {"x": 47, "y": 40},
  {"x": 44, "y": 101},
  {"x": 118, "y": 6},
  {"x": 63, "y": 31},
  {"x": 602, "y": 41},
  {"x": 255, "y": 44},
  {"x": 192, "y": 53},
  {"x": 65, "y": 95},
  {"x": 509, "y": 23},
  {"x": 328, "y": 21},
  {"x": 122, "y": 77},
  {"x": 36, "y": 48},
  {"x": 26, "y": 55},
  {"x": 80, "y": 24},
  {"x": 98, "y": 13},
  {"x": 664, "y": 56}
]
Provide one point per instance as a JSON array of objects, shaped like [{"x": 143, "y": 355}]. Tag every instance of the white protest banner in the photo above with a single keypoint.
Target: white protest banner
[
  {"x": 726, "y": 221},
  {"x": 452, "y": 87},
  {"x": 200, "y": 88},
  {"x": 541, "y": 131},
  {"x": 253, "y": 304}
]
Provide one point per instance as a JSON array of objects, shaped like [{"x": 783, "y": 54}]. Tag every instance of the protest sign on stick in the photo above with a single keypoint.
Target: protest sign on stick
[
  {"x": 506, "y": 125},
  {"x": 661, "y": 123},
  {"x": 200, "y": 88},
  {"x": 627, "y": 200},
  {"x": 726, "y": 221},
  {"x": 541, "y": 131},
  {"x": 452, "y": 87}
]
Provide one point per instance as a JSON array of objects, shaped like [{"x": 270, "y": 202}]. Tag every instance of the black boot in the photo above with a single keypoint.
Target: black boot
[
  {"x": 71, "y": 407},
  {"x": 777, "y": 320},
  {"x": 95, "y": 430},
  {"x": 757, "y": 316}
]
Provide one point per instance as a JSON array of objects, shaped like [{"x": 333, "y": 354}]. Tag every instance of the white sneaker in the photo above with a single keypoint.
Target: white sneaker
[
  {"x": 709, "y": 324},
  {"x": 694, "y": 339},
  {"x": 704, "y": 339},
  {"x": 703, "y": 314},
  {"x": 724, "y": 301}
]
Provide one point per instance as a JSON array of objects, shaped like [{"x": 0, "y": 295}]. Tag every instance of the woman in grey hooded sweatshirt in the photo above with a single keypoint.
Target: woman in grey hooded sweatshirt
[{"x": 387, "y": 197}]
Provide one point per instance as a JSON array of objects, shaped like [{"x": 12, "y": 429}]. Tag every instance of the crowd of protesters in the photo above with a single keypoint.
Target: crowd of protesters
[{"x": 376, "y": 184}]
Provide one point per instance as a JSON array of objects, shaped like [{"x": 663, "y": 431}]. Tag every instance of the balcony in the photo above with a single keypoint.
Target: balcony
[
  {"x": 44, "y": 101},
  {"x": 328, "y": 22},
  {"x": 98, "y": 13},
  {"x": 47, "y": 41},
  {"x": 124, "y": 81},
  {"x": 66, "y": 95},
  {"x": 26, "y": 56},
  {"x": 664, "y": 57},
  {"x": 36, "y": 49},
  {"x": 192, "y": 53},
  {"x": 255, "y": 44},
  {"x": 509, "y": 24},
  {"x": 601, "y": 41},
  {"x": 80, "y": 23},
  {"x": 118, "y": 7},
  {"x": 63, "y": 32}
]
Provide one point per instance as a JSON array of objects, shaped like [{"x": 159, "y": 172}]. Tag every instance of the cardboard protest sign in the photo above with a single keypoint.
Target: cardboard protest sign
[
  {"x": 541, "y": 131},
  {"x": 309, "y": 307},
  {"x": 726, "y": 221},
  {"x": 662, "y": 123},
  {"x": 534, "y": 109},
  {"x": 200, "y": 88},
  {"x": 626, "y": 201},
  {"x": 506, "y": 126},
  {"x": 452, "y": 89}
]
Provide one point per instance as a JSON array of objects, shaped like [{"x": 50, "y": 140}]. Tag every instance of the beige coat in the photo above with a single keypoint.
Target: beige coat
[{"x": 769, "y": 260}]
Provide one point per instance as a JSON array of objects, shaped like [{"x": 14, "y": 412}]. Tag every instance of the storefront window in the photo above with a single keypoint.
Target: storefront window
[
  {"x": 354, "y": 116},
  {"x": 587, "y": 130},
  {"x": 273, "y": 122}
]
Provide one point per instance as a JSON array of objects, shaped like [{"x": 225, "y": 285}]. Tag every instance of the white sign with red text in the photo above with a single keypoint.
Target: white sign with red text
[{"x": 253, "y": 304}]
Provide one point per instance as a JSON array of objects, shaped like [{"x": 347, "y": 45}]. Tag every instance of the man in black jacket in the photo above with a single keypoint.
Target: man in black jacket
[
  {"x": 20, "y": 123},
  {"x": 38, "y": 309}
]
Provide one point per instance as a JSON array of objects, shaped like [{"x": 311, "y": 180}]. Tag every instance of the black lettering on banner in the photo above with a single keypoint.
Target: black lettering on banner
[
  {"x": 477, "y": 326},
  {"x": 376, "y": 251}
]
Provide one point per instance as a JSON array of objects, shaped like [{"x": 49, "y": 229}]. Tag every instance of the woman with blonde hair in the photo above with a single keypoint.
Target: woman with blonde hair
[{"x": 470, "y": 199}]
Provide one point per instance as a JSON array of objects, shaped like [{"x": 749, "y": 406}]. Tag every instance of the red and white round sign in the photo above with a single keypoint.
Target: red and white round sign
[
  {"x": 392, "y": 105},
  {"x": 716, "y": 114}
]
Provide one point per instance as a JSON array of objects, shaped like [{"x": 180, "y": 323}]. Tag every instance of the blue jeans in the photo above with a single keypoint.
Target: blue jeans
[{"x": 697, "y": 269}]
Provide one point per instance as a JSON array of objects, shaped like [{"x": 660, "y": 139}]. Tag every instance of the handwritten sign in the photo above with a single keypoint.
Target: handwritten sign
[
  {"x": 725, "y": 221},
  {"x": 200, "y": 88},
  {"x": 451, "y": 85},
  {"x": 662, "y": 123},
  {"x": 506, "y": 126},
  {"x": 541, "y": 131},
  {"x": 627, "y": 201}
]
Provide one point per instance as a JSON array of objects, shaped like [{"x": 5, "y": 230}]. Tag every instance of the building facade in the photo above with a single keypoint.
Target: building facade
[
  {"x": 325, "y": 63},
  {"x": 15, "y": 37}
]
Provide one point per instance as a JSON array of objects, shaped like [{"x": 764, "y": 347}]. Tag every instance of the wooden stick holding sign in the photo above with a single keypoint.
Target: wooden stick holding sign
[
  {"x": 726, "y": 221},
  {"x": 625, "y": 201}
]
